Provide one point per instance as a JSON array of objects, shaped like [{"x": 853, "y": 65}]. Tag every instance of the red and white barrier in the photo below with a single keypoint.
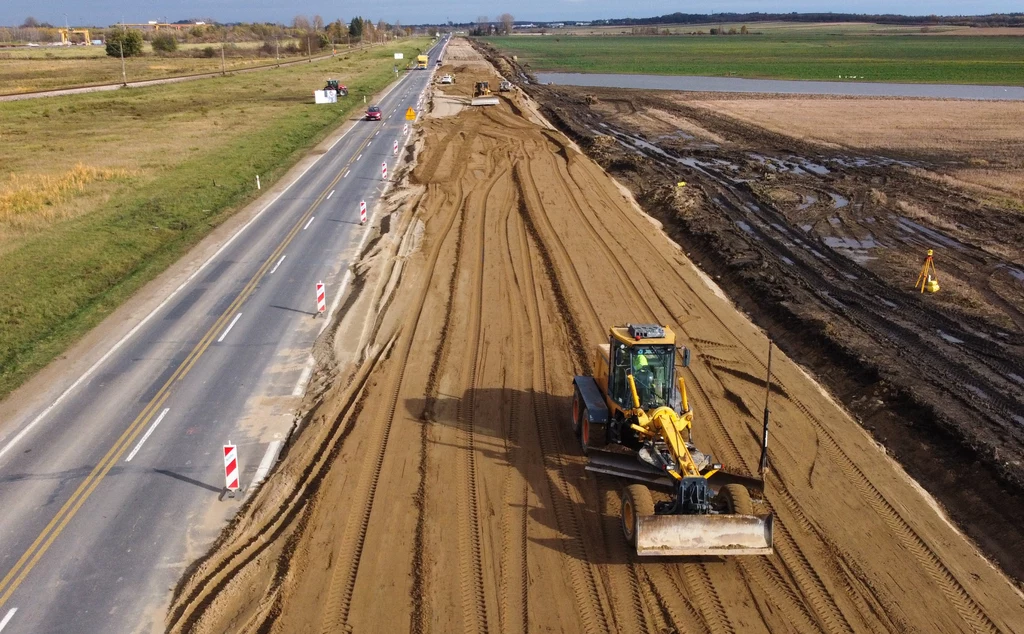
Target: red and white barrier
[
  {"x": 231, "y": 467},
  {"x": 396, "y": 148},
  {"x": 321, "y": 298},
  {"x": 405, "y": 128},
  {"x": 362, "y": 212},
  {"x": 384, "y": 171}
]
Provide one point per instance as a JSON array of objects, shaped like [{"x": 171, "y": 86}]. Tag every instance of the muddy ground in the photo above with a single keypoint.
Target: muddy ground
[
  {"x": 822, "y": 245},
  {"x": 436, "y": 485}
]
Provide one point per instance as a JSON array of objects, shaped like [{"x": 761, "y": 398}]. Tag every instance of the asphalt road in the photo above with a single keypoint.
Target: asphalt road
[{"x": 108, "y": 495}]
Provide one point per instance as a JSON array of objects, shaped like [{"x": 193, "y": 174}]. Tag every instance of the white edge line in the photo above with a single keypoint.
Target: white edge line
[
  {"x": 311, "y": 219},
  {"x": 269, "y": 458},
  {"x": 117, "y": 346},
  {"x": 228, "y": 329},
  {"x": 300, "y": 386},
  {"x": 359, "y": 157},
  {"x": 346, "y": 173},
  {"x": 148, "y": 432},
  {"x": 7, "y": 619},
  {"x": 278, "y": 264},
  {"x": 330, "y": 194}
]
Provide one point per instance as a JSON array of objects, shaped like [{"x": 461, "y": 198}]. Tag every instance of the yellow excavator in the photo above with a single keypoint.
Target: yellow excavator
[
  {"x": 482, "y": 95},
  {"x": 633, "y": 424}
]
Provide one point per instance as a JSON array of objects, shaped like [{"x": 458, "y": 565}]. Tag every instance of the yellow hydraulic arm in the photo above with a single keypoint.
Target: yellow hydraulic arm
[{"x": 664, "y": 422}]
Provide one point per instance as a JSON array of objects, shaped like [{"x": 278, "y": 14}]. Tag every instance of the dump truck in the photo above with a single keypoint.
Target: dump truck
[
  {"x": 421, "y": 62},
  {"x": 482, "y": 95},
  {"x": 633, "y": 424}
]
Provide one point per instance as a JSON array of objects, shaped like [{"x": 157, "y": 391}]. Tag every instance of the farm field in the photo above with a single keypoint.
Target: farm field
[
  {"x": 789, "y": 54},
  {"x": 92, "y": 207},
  {"x": 51, "y": 68}
]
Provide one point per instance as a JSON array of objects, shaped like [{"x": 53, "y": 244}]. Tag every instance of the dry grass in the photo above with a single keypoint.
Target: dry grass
[
  {"x": 33, "y": 201},
  {"x": 969, "y": 128}
]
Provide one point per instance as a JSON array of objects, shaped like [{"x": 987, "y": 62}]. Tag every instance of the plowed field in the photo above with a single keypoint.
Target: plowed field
[{"x": 438, "y": 487}]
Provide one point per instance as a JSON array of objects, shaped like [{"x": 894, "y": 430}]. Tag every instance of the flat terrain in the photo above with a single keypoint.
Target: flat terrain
[
  {"x": 789, "y": 54},
  {"x": 102, "y": 191},
  {"x": 438, "y": 486},
  {"x": 979, "y": 143},
  {"x": 822, "y": 242},
  {"x": 52, "y": 68}
]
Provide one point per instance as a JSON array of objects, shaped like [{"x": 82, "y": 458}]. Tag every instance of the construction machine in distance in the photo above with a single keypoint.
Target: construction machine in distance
[
  {"x": 630, "y": 405},
  {"x": 339, "y": 89},
  {"x": 482, "y": 95}
]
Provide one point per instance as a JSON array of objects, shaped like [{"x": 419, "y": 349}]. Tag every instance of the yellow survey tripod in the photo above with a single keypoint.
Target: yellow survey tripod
[{"x": 928, "y": 280}]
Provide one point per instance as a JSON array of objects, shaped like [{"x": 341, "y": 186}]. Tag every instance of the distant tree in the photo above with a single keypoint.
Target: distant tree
[
  {"x": 300, "y": 22},
  {"x": 30, "y": 23},
  {"x": 506, "y": 20},
  {"x": 483, "y": 24},
  {"x": 127, "y": 42},
  {"x": 318, "y": 23},
  {"x": 743, "y": 30},
  {"x": 355, "y": 28},
  {"x": 164, "y": 43},
  {"x": 732, "y": 31}
]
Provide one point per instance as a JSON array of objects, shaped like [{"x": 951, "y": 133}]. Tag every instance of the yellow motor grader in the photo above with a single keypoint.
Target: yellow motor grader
[{"x": 633, "y": 424}]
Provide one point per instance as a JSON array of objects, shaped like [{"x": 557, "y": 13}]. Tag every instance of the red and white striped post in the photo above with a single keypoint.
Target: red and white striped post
[
  {"x": 405, "y": 128},
  {"x": 321, "y": 299},
  {"x": 362, "y": 212},
  {"x": 396, "y": 148},
  {"x": 384, "y": 171},
  {"x": 230, "y": 467}
]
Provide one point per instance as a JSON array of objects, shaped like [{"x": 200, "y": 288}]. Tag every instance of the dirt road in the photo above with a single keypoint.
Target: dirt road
[{"x": 437, "y": 486}]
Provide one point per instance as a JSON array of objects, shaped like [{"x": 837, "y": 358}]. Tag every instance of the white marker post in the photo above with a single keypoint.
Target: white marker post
[
  {"x": 384, "y": 171},
  {"x": 362, "y": 212},
  {"x": 321, "y": 299},
  {"x": 231, "y": 468},
  {"x": 396, "y": 148},
  {"x": 405, "y": 128},
  {"x": 257, "y": 181}
]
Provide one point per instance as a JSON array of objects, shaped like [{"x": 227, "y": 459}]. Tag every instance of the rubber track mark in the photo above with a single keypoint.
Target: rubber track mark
[
  {"x": 339, "y": 601},
  {"x": 584, "y": 588},
  {"x": 418, "y": 624}
]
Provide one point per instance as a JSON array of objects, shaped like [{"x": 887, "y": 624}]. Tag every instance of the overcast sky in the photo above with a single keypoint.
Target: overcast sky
[{"x": 105, "y": 12}]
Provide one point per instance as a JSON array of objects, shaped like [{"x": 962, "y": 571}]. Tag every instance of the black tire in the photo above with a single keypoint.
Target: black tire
[
  {"x": 636, "y": 502},
  {"x": 737, "y": 499},
  {"x": 577, "y": 411}
]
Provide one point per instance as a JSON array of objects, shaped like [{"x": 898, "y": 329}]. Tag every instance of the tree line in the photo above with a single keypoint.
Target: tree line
[{"x": 995, "y": 19}]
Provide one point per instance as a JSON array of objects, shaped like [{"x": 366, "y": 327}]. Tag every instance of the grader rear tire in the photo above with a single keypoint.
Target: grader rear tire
[
  {"x": 636, "y": 502},
  {"x": 737, "y": 499}
]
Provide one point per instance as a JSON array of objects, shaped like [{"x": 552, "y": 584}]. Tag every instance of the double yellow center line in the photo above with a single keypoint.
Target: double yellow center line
[{"x": 46, "y": 537}]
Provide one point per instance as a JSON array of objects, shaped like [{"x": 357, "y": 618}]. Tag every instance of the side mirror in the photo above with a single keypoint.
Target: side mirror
[{"x": 686, "y": 357}]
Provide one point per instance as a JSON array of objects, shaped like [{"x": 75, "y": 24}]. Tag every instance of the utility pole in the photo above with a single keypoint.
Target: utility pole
[
  {"x": 223, "y": 71},
  {"x": 120, "y": 42}
]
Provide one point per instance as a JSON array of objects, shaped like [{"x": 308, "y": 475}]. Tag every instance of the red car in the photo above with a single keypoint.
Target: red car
[{"x": 373, "y": 114}]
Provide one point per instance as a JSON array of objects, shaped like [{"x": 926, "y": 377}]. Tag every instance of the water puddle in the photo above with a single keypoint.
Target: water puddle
[
  {"x": 1016, "y": 378},
  {"x": 838, "y": 202},
  {"x": 843, "y": 242},
  {"x": 912, "y": 227},
  {"x": 977, "y": 391},
  {"x": 808, "y": 201},
  {"x": 786, "y": 260},
  {"x": 807, "y": 227},
  {"x": 949, "y": 338},
  {"x": 820, "y": 170},
  {"x": 745, "y": 227}
]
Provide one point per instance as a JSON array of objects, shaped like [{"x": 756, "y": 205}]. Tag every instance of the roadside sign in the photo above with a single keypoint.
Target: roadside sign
[
  {"x": 321, "y": 298},
  {"x": 410, "y": 114},
  {"x": 231, "y": 467},
  {"x": 362, "y": 212},
  {"x": 399, "y": 55}
]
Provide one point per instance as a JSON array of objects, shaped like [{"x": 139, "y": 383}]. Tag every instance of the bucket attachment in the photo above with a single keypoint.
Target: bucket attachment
[
  {"x": 726, "y": 535},
  {"x": 484, "y": 101}
]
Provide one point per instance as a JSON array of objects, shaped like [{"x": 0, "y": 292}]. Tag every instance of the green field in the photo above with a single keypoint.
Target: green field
[
  {"x": 100, "y": 192},
  {"x": 781, "y": 54}
]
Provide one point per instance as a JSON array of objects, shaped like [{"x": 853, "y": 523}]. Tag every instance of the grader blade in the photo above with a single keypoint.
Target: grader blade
[
  {"x": 725, "y": 535},
  {"x": 484, "y": 101}
]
